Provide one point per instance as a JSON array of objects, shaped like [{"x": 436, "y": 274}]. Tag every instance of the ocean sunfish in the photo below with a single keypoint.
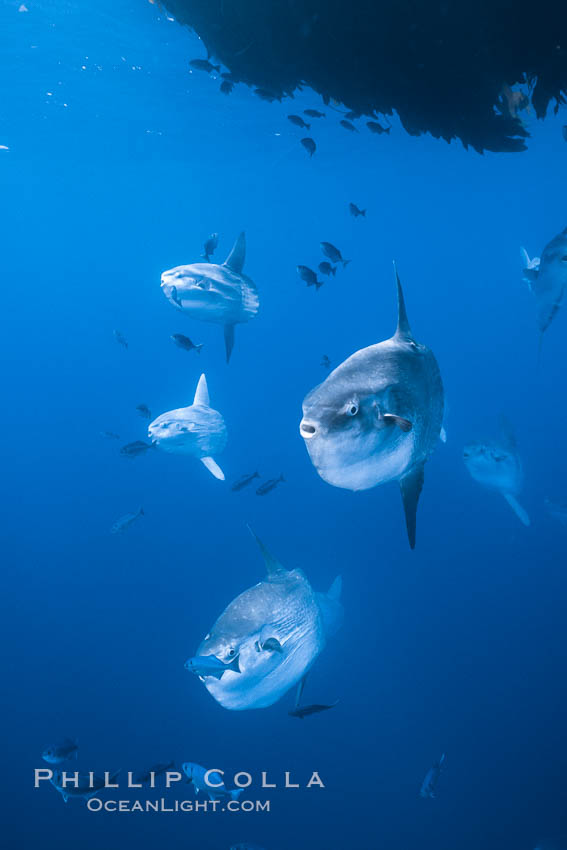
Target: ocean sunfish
[
  {"x": 214, "y": 293},
  {"x": 197, "y": 430},
  {"x": 428, "y": 788},
  {"x": 268, "y": 638},
  {"x": 547, "y": 279},
  {"x": 377, "y": 417},
  {"x": 497, "y": 465}
]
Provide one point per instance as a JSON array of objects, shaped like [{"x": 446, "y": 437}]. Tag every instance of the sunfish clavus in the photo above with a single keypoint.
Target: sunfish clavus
[
  {"x": 214, "y": 293},
  {"x": 377, "y": 417},
  {"x": 268, "y": 637}
]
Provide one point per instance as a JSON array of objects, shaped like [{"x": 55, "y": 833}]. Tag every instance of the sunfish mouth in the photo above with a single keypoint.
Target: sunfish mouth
[{"x": 307, "y": 429}]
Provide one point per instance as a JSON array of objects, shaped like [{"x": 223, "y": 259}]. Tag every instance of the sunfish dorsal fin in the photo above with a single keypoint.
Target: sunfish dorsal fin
[
  {"x": 403, "y": 330},
  {"x": 273, "y": 566},
  {"x": 235, "y": 260},
  {"x": 411, "y": 485},
  {"x": 202, "y": 392}
]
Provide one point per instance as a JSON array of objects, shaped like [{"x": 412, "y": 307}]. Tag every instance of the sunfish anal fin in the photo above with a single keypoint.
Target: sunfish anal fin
[
  {"x": 213, "y": 467},
  {"x": 228, "y": 340},
  {"x": 235, "y": 260},
  {"x": 518, "y": 509},
  {"x": 411, "y": 486},
  {"x": 202, "y": 392}
]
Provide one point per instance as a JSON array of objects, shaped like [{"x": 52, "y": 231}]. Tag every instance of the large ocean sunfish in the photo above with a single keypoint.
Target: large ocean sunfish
[
  {"x": 197, "y": 430},
  {"x": 547, "y": 279},
  {"x": 214, "y": 293},
  {"x": 267, "y": 639},
  {"x": 377, "y": 417},
  {"x": 498, "y": 466}
]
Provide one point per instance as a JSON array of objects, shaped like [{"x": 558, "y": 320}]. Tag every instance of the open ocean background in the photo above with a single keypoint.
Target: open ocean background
[{"x": 120, "y": 164}]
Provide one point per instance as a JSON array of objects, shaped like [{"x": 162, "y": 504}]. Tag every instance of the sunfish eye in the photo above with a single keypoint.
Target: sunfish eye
[
  {"x": 231, "y": 653},
  {"x": 352, "y": 408}
]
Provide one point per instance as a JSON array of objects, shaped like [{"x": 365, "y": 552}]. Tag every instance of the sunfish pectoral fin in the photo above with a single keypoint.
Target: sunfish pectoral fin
[
  {"x": 213, "y": 467},
  {"x": 443, "y": 434},
  {"x": 272, "y": 644},
  {"x": 235, "y": 260},
  {"x": 404, "y": 424},
  {"x": 202, "y": 392},
  {"x": 518, "y": 509},
  {"x": 411, "y": 486},
  {"x": 228, "y": 340}
]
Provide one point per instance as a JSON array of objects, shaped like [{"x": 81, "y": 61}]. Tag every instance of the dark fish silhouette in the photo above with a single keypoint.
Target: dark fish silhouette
[
  {"x": 314, "y": 113},
  {"x": 120, "y": 339},
  {"x": 352, "y": 115},
  {"x": 309, "y": 145},
  {"x": 306, "y": 710},
  {"x": 298, "y": 121},
  {"x": 348, "y": 126},
  {"x": 204, "y": 65},
  {"x": 326, "y": 362},
  {"x": 309, "y": 277},
  {"x": 110, "y": 435},
  {"x": 244, "y": 481},
  {"x": 226, "y": 86},
  {"x": 144, "y": 411},
  {"x": 138, "y": 447},
  {"x": 355, "y": 211},
  {"x": 269, "y": 485},
  {"x": 564, "y": 131},
  {"x": 185, "y": 343},
  {"x": 327, "y": 268},
  {"x": 267, "y": 95},
  {"x": 210, "y": 246},
  {"x": 377, "y": 128},
  {"x": 333, "y": 253},
  {"x": 156, "y": 769}
]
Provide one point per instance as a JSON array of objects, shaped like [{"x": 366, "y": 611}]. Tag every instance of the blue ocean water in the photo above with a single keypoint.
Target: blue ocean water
[{"x": 119, "y": 164}]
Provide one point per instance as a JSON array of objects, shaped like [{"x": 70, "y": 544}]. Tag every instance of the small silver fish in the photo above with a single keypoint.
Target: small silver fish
[
  {"x": 126, "y": 521},
  {"x": 269, "y": 485},
  {"x": 210, "y": 665}
]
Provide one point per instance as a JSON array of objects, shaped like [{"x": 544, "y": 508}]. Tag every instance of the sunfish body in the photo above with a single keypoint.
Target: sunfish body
[
  {"x": 377, "y": 417},
  {"x": 214, "y": 293},
  {"x": 274, "y": 631},
  {"x": 498, "y": 467},
  {"x": 547, "y": 279},
  {"x": 197, "y": 430}
]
